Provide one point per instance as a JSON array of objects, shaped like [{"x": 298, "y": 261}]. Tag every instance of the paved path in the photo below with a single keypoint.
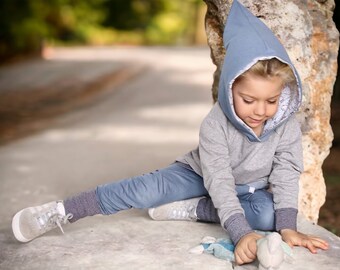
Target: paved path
[
  {"x": 32, "y": 93},
  {"x": 140, "y": 126}
]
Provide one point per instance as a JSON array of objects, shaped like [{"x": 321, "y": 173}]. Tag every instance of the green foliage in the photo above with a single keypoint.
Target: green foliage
[
  {"x": 132, "y": 14},
  {"x": 170, "y": 26},
  {"x": 28, "y": 24},
  {"x": 165, "y": 28},
  {"x": 332, "y": 179},
  {"x": 154, "y": 21}
]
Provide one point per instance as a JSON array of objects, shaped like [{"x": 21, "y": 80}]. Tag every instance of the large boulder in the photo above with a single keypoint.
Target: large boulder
[{"x": 307, "y": 31}]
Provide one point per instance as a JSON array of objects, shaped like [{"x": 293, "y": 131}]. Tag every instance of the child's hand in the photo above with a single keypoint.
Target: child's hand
[
  {"x": 293, "y": 238},
  {"x": 245, "y": 250}
]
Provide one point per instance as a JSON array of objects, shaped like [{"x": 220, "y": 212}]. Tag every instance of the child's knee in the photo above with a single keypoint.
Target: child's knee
[
  {"x": 265, "y": 219},
  {"x": 263, "y": 213}
]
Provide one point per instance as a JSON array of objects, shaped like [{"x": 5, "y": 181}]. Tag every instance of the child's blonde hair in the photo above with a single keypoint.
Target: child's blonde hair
[{"x": 271, "y": 68}]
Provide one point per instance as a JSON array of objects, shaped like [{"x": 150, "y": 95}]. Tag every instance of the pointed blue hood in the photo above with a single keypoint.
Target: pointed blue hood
[{"x": 247, "y": 40}]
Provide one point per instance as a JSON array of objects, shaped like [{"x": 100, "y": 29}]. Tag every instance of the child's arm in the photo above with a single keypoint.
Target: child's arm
[
  {"x": 294, "y": 238},
  {"x": 284, "y": 177},
  {"x": 218, "y": 177},
  {"x": 246, "y": 248}
]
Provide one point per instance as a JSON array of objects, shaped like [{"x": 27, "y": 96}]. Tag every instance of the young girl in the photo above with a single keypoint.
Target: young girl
[{"x": 245, "y": 171}]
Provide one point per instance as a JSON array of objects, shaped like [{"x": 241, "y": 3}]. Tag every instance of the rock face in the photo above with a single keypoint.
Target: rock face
[{"x": 306, "y": 29}]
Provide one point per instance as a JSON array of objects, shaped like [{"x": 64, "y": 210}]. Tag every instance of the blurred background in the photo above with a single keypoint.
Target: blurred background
[
  {"x": 28, "y": 26},
  {"x": 30, "y": 29}
]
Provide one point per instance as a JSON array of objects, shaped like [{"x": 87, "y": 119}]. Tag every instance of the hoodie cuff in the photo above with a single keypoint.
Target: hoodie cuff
[
  {"x": 286, "y": 218},
  {"x": 237, "y": 226}
]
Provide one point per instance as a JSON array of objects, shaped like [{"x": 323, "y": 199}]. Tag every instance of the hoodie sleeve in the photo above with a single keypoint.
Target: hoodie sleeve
[
  {"x": 285, "y": 175},
  {"x": 218, "y": 178}
]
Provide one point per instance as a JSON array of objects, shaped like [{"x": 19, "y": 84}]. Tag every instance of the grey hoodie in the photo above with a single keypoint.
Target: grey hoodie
[{"x": 229, "y": 152}]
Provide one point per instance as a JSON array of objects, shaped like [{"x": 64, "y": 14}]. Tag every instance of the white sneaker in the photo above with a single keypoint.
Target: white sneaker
[
  {"x": 181, "y": 210},
  {"x": 32, "y": 222}
]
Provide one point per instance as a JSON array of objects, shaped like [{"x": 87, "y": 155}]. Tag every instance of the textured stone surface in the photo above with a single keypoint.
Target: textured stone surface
[{"x": 307, "y": 31}]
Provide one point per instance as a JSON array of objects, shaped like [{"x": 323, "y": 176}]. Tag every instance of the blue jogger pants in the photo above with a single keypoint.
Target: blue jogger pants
[{"x": 174, "y": 183}]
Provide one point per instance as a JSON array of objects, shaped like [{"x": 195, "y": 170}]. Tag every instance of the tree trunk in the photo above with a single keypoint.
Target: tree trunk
[{"x": 307, "y": 31}]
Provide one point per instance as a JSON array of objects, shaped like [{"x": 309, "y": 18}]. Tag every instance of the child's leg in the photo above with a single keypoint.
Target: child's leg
[
  {"x": 82, "y": 205},
  {"x": 174, "y": 183},
  {"x": 258, "y": 208},
  {"x": 206, "y": 211}
]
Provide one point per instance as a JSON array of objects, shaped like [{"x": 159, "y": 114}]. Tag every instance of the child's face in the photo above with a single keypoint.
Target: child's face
[{"x": 256, "y": 99}]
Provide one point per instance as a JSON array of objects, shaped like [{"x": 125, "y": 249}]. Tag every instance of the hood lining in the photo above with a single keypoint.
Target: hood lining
[{"x": 290, "y": 100}]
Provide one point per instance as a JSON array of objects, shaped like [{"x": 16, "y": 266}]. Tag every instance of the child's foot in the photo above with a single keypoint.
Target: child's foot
[
  {"x": 181, "y": 210},
  {"x": 32, "y": 222}
]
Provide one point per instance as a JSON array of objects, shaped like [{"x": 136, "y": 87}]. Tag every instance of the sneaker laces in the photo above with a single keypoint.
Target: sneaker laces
[
  {"x": 58, "y": 219},
  {"x": 52, "y": 219}
]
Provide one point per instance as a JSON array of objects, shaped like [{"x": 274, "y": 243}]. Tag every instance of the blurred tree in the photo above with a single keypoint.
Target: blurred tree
[
  {"x": 132, "y": 14},
  {"x": 25, "y": 25},
  {"x": 159, "y": 21}
]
